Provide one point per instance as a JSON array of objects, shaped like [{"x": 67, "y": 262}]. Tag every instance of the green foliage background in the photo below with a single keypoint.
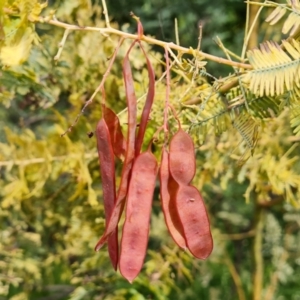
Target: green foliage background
[{"x": 51, "y": 213}]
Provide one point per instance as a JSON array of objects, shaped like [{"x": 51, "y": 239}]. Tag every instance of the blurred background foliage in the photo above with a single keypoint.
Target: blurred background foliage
[{"x": 51, "y": 211}]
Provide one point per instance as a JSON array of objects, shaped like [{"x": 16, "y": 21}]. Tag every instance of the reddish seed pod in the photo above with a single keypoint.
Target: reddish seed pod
[
  {"x": 168, "y": 189},
  {"x": 194, "y": 219},
  {"x": 138, "y": 209},
  {"x": 147, "y": 107},
  {"x": 129, "y": 155},
  {"x": 115, "y": 131},
  {"x": 182, "y": 157},
  {"x": 107, "y": 171}
]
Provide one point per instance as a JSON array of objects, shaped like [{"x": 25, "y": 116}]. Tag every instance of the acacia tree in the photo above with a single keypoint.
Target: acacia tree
[{"x": 256, "y": 103}]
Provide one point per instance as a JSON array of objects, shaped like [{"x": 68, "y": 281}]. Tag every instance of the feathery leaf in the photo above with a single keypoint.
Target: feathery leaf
[
  {"x": 275, "y": 71},
  {"x": 292, "y": 22}
]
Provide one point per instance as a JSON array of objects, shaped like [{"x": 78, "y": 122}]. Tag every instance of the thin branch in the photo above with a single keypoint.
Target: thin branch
[
  {"x": 293, "y": 139},
  {"x": 226, "y": 51},
  {"x": 223, "y": 48},
  {"x": 149, "y": 40},
  {"x": 41, "y": 160},
  {"x": 238, "y": 236},
  {"x": 105, "y": 12},
  {"x": 265, "y": 4},
  {"x": 253, "y": 39},
  {"x": 176, "y": 32},
  {"x": 199, "y": 38},
  {"x": 270, "y": 291},
  {"x": 9, "y": 11},
  {"x": 246, "y": 30},
  {"x": 290, "y": 150},
  {"x": 271, "y": 203},
  {"x": 257, "y": 254},
  {"x": 197, "y": 66},
  {"x": 236, "y": 278},
  {"x": 235, "y": 71},
  {"x": 174, "y": 56},
  {"x": 168, "y": 88},
  {"x": 112, "y": 60},
  {"x": 250, "y": 32},
  {"x": 231, "y": 84},
  {"x": 61, "y": 45}
]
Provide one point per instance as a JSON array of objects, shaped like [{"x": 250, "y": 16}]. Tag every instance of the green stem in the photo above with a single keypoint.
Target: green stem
[
  {"x": 257, "y": 253},
  {"x": 252, "y": 22},
  {"x": 236, "y": 278}
]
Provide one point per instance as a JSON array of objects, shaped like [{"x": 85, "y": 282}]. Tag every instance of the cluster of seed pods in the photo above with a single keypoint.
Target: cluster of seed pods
[{"x": 182, "y": 204}]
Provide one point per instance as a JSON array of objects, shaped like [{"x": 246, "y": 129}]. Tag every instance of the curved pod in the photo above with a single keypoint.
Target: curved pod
[
  {"x": 182, "y": 157},
  {"x": 138, "y": 209},
  {"x": 195, "y": 222},
  {"x": 168, "y": 188},
  {"x": 147, "y": 106},
  {"x": 129, "y": 155},
  {"x": 115, "y": 131},
  {"x": 107, "y": 171}
]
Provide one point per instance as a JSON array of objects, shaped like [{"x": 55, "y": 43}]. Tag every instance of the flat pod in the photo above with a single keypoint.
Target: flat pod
[
  {"x": 168, "y": 189},
  {"x": 129, "y": 155},
  {"x": 182, "y": 157},
  {"x": 138, "y": 209},
  {"x": 194, "y": 219},
  {"x": 107, "y": 171},
  {"x": 115, "y": 131},
  {"x": 147, "y": 106}
]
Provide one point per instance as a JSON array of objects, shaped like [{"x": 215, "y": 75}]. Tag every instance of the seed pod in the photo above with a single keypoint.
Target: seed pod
[
  {"x": 129, "y": 156},
  {"x": 194, "y": 219},
  {"x": 182, "y": 158},
  {"x": 147, "y": 107},
  {"x": 138, "y": 209},
  {"x": 107, "y": 171},
  {"x": 116, "y": 135},
  {"x": 168, "y": 189}
]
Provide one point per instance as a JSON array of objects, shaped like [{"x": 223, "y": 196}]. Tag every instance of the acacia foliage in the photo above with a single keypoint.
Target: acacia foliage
[{"x": 51, "y": 211}]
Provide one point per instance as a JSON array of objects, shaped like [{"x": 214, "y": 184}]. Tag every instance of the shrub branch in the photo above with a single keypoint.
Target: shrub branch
[{"x": 109, "y": 30}]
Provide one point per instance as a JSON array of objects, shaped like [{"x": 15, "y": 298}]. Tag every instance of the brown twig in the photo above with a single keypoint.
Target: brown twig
[{"x": 108, "y": 30}]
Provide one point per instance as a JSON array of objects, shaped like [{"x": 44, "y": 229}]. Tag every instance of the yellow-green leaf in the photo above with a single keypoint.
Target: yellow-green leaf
[{"x": 18, "y": 51}]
